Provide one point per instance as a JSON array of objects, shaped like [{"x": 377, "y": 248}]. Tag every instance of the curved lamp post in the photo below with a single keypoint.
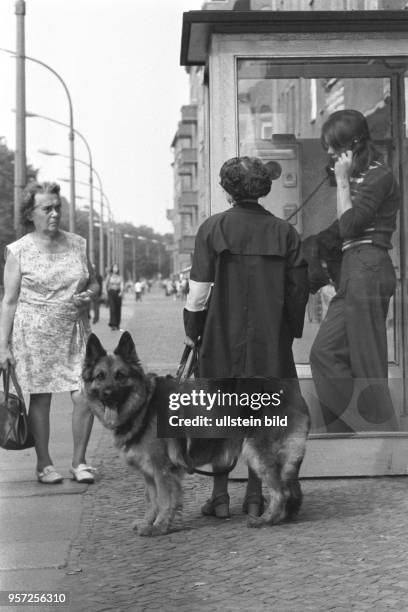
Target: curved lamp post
[
  {"x": 91, "y": 206},
  {"x": 20, "y": 116},
  {"x": 104, "y": 201},
  {"x": 133, "y": 238}
]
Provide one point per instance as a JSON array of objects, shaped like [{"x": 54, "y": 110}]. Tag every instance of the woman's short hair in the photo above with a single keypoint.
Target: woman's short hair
[
  {"x": 28, "y": 199},
  {"x": 247, "y": 178},
  {"x": 348, "y": 129}
]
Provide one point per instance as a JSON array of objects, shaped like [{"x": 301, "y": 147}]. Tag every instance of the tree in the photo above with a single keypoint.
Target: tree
[{"x": 7, "y": 233}]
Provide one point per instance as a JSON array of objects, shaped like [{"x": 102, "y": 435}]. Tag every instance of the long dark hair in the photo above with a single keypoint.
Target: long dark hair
[{"x": 348, "y": 129}]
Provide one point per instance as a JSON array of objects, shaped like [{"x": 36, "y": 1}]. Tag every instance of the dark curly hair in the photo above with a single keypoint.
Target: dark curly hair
[
  {"x": 247, "y": 177},
  {"x": 28, "y": 199}
]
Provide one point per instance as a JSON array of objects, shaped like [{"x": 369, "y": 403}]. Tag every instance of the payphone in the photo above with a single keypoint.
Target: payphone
[{"x": 285, "y": 197}]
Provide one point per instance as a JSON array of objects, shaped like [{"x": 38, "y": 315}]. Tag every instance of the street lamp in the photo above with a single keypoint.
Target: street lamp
[
  {"x": 103, "y": 202},
  {"x": 20, "y": 162},
  {"x": 159, "y": 259},
  {"x": 91, "y": 206},
  {"x": 133, "y": 238}
]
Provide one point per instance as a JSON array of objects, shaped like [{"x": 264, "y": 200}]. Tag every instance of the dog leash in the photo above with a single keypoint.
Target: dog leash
[{"x": 193, "y": 369}]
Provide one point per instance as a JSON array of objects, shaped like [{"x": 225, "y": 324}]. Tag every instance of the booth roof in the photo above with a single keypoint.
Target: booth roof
[{"x": 198, "y": 26}]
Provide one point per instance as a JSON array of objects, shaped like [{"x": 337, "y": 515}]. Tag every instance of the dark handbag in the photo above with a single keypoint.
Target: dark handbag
[{"x": 14, "y": 432}]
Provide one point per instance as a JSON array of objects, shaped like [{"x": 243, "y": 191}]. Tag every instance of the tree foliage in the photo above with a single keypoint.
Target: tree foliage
[
  {"x": 7, "y": 233},
  {"x": 152, "y": 249}
]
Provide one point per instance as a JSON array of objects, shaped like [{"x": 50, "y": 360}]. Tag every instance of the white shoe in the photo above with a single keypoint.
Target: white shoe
[
  {"x": 49, "y": 475},
  {"x": 83, "y": 473}
]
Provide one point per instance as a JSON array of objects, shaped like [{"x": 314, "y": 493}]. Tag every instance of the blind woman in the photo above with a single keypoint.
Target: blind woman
[{"x": 257, "y": 305}]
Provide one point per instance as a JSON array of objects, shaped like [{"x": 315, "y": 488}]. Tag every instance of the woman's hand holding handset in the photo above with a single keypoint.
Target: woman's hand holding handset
[{"x": 342, "y": 167}]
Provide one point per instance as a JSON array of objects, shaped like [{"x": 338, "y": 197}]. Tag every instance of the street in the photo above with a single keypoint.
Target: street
[{"x": 346, "y": 551}]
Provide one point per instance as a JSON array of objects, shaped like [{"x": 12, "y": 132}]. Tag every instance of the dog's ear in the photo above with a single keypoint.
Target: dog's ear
[
  {"x": 127, "y": 350},
  {"x": 94, "y": 349}
]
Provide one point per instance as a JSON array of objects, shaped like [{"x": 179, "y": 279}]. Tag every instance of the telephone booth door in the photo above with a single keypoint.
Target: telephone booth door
[{"x": 269, "y": 95}]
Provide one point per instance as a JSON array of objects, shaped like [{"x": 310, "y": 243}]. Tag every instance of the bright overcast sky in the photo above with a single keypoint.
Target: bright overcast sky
[{"x": 120, "y": 61}]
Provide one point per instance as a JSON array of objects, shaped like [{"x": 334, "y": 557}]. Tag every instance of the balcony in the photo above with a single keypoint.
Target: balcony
[
  {"x": 184, "y": 130},
  {"x": 189, "y": 113},
  {"x": 186, "y": 244},
  {"x": 188, "y": 198},
  {"x": 188, "y": 156}
]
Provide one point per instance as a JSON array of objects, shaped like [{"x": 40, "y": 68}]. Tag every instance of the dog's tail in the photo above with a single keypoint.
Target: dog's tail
[{"x": 178, "y": 454}]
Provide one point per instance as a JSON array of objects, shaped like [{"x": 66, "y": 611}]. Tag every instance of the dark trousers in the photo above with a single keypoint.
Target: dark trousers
[
  {"x": 351, "y": 344},
  {"x": 95, "y": 308},
  {"x": 115, "y": 306}
]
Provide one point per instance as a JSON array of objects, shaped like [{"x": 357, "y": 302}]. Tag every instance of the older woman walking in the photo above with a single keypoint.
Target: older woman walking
[{"x": 48, "y": 283}]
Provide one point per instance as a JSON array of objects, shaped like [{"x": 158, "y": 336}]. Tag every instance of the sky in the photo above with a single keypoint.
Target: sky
[{"x": 120, "y": 61}]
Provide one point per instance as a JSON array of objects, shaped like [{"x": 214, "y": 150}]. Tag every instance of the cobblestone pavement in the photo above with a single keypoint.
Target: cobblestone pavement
[{"x": 347, "y": 550}]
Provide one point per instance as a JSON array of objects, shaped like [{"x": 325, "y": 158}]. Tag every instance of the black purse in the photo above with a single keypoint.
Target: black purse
[{"x": 14, "y": 432}]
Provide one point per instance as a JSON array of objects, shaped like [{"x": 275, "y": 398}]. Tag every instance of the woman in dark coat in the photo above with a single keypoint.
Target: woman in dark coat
[{"x": 252, "y": 263}]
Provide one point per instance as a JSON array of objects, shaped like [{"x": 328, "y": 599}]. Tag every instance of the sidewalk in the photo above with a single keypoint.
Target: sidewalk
[
  {"x": 348, "y": 550},
  {"x": 37, "y": 522}
]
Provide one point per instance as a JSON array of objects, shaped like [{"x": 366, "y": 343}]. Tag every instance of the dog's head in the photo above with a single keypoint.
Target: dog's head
[{"x": 117, "y": 381}]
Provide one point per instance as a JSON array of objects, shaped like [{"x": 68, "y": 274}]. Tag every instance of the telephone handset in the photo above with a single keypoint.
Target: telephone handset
[{"x": 330, "y": 166}]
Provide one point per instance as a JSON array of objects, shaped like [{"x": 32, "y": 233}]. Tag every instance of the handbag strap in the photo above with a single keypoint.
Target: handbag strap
[
  {"x": 10, "y": 372},
  {"x": 6, "y": 382},
  {"x": 16, "y": 383}
]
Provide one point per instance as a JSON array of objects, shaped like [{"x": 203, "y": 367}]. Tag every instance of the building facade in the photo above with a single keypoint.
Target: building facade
[{"x": 267, "y": 106}]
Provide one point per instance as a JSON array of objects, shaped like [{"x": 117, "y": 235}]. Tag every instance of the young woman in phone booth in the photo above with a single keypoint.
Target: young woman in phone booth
[{"x": 352, "y": 340}]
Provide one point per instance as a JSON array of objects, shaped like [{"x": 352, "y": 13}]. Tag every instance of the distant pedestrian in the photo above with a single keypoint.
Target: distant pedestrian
[
  {"x": 96, "y": 300},
  {"x": 114, "y": 289},
  {"x": 138, "y": 291},
  {"x": 184, "y": 288}
]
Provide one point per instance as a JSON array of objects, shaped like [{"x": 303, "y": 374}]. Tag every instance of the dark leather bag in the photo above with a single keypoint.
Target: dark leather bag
[{"x": 14, "y": 432}]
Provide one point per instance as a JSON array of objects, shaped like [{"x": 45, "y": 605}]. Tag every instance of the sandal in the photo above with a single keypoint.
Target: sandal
[
  {"x": 83, "y": 473},
  {"x": 48, "y": 475},
  {"x": 254, "y": 504},
  {"x": 217, "y": 506}
]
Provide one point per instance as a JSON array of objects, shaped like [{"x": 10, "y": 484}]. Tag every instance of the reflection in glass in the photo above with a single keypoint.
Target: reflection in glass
[{"x": 281, "y": 118}]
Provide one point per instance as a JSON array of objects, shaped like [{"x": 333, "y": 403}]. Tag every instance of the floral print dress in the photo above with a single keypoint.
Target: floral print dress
[{"x": 49, "y": 332}]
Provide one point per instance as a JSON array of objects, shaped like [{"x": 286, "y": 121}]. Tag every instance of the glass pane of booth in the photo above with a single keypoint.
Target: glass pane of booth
[{"x": 281, "y": 118}]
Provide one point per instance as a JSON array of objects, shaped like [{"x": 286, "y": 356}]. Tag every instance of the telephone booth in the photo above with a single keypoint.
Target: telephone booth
[{"x": 270, "y": 80}]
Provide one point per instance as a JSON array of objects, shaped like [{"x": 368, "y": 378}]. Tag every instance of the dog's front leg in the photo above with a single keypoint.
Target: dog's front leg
[
  {"x": 169, "y": 498},
  {"x": 144, "y": 527}
]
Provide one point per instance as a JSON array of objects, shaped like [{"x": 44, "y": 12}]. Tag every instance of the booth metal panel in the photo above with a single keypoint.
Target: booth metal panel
[{"x": 366, "y": 45}]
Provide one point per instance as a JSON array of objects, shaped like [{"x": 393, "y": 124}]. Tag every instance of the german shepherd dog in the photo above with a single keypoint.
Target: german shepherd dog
[{"x": 128, "y": 401}]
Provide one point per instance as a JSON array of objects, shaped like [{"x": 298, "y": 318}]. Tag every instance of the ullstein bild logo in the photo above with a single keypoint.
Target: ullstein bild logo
[{"x": 228, "y": 421}]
